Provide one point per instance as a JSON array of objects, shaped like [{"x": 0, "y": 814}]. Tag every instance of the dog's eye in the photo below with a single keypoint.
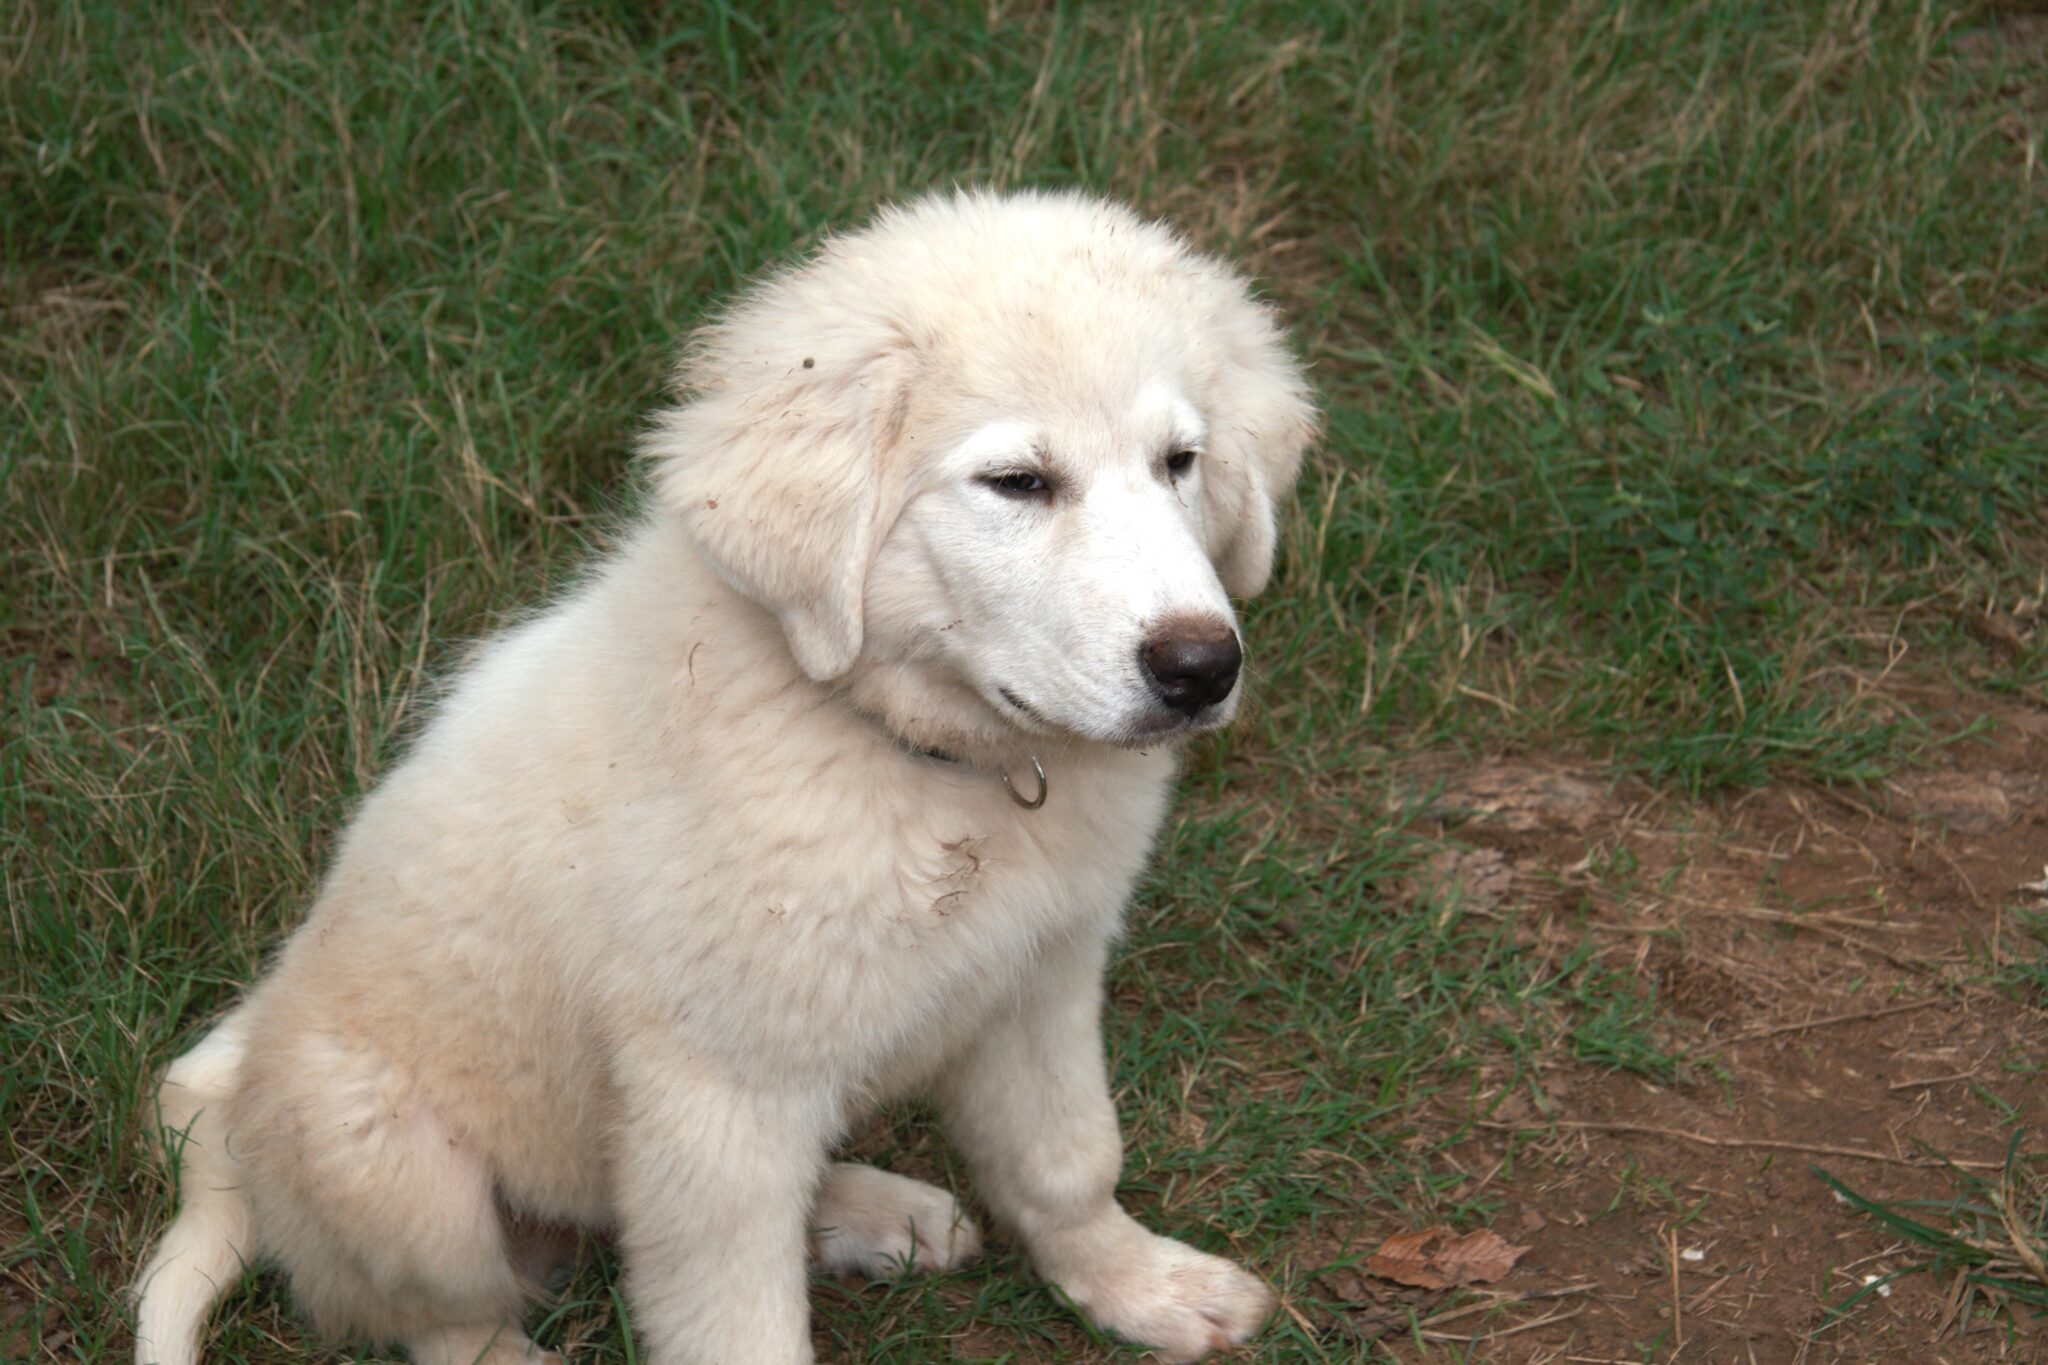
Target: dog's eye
[
  {"x": 1018, "y": 483},
  {"x": 1180, "y": 462}
]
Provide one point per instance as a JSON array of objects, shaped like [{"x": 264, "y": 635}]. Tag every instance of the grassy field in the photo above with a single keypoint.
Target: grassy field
[{"x": 1685, "y": 371}]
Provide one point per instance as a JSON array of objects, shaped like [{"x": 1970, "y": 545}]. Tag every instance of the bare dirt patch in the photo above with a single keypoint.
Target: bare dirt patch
[{"x": 1846, "y": 976}]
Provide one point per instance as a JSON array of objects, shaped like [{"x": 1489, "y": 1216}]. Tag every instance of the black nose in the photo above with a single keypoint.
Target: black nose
[{"x": 1192, "y": 664}]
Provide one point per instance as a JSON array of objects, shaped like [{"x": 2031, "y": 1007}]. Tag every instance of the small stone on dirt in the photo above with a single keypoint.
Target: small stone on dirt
[
  {"x": 1974, "y": 803},
  {"x": 1475, "y": 878},
  {"x": 1520, "y": 796}
]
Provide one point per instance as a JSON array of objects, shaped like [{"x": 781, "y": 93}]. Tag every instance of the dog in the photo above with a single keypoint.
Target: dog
[{"x": 826, "y": 787}]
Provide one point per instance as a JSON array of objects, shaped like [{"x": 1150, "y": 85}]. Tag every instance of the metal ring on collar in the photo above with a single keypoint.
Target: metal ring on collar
[{"x": 1035, "y": 802}]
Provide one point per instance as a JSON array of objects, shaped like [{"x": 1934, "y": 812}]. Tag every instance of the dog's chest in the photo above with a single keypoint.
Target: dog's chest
[
  {"x": 976, "y": 888},
  {"x": 889, "y": 927},
  {"x": 981, "y": 908}
]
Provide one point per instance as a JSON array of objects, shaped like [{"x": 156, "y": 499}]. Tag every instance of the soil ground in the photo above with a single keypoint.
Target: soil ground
[{"x": 1828, "y": 957}]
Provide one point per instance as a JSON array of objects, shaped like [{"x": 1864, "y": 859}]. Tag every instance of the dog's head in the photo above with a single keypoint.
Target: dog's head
[{"x": 1023, "y": 446}]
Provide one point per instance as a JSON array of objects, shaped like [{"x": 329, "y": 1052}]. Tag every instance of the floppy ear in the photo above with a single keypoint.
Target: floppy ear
[
  {"x": 776, "y": 468},
  {"x": 1263, "y": 422}
]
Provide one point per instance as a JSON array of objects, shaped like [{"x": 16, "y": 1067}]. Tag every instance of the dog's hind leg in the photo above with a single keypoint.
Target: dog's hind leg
[
  {"x": 379, "y": 1206},
  {"x": 872, "y": 1223}
]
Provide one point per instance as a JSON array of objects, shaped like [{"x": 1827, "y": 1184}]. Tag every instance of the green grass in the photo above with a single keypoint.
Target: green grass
[
  {"x": 1986, "y": 1240},
  {"x": 1682, "y": 367}
]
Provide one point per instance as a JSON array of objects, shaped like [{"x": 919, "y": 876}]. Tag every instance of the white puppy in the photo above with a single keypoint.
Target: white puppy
[{"x": 828, "y": 787}]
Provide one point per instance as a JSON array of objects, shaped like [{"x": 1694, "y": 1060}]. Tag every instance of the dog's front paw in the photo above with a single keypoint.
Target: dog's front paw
[
  {"x": 1179, "y": 1301},
  {"x": 873, "y": 1223}
]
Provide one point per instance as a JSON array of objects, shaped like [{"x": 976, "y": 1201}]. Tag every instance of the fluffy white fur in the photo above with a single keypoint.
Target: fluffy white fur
[{"x": 671, "y": 890}]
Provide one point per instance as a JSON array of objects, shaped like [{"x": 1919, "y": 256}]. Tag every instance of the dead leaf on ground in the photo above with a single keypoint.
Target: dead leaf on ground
[{"x": 1437, "y": 1258}]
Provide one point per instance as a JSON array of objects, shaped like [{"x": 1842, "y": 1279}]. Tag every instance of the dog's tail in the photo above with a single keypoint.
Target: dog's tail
[{"x": 203, "y": 1253}]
